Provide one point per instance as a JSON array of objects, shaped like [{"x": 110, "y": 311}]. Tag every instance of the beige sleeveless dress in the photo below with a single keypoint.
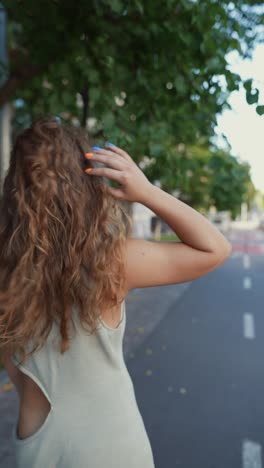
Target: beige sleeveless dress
[{"x": 94, "y": 421}]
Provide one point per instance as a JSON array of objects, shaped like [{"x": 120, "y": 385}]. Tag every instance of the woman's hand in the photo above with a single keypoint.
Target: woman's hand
[{"x": 133, "y": 183}]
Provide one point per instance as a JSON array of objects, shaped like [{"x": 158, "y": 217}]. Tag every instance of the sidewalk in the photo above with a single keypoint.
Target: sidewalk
[{"x": 145, "y": 308}]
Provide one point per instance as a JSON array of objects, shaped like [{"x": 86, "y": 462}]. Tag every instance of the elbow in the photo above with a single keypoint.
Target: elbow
[{"x": 225, "y": 252}]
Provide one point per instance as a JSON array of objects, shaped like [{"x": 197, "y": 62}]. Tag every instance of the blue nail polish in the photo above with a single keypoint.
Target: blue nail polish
[
  {"x": 96, "y": 147},
  {"x": 109, "y": 144}
]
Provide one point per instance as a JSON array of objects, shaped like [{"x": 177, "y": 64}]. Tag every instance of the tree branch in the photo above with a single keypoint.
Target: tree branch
[
  {"x": 85, "y": 97},
  {"x": 22, "y": 70}
]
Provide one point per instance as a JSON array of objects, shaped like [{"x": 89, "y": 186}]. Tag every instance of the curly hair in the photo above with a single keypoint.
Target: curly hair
[{"x": 62, "y": 236}]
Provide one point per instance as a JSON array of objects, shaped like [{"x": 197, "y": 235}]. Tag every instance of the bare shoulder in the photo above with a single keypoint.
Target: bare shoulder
[{"x": 152, "y": 263}]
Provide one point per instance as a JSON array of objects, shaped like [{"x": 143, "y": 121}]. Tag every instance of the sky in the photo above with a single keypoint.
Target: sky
[{"x": 242, "y": 126}]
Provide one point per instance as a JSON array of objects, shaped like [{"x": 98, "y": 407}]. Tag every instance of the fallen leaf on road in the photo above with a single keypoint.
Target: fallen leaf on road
[
  {"x": 149, "y": 372},
  {"x": 6, "y": 387}
]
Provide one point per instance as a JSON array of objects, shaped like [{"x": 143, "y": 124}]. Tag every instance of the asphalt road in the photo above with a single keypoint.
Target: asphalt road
[{"x": 199, "y": 377}]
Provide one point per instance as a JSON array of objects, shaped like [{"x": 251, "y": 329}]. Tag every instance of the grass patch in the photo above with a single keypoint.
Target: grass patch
[
  {"x": 169, "y": 237},
  {"x": 165, "y": 238}
]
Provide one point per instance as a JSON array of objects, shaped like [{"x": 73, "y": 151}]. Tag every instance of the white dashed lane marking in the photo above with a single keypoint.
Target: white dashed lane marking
[
  {"x": 247, "y": 282},
  {"x": 251, "y": 454},
  {"x": 246, "y": 261},
  {"x": 249, "y": 326}
]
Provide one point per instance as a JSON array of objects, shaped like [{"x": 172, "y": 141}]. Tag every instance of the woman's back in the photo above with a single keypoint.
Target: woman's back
[
  {"x": 94, "y": 419},
  {"x": 59, "y": 229}
]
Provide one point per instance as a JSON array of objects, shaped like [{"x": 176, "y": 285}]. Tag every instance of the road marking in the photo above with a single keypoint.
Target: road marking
[
  {"x": 254, "y": 249},
  {"x": 247, "y": 282},
  {"x": 236, "y": 254},
  {"x": 246, "y": 261},
  {"x": 251, "y": 454},
  {"x": 249, "y": 326}
]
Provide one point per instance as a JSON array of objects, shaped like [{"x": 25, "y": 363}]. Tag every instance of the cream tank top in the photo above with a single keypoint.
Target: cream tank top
[{"x": 94, "y": 421}]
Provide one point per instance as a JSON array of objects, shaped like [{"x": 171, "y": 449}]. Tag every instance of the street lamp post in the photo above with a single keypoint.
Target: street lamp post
[{"x": 5, "y": 110}]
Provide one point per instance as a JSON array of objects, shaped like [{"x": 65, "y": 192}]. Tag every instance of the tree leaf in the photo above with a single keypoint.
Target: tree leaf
[
  {"x": 260, "y": 110},
  {"x": 252, "y": 98}
]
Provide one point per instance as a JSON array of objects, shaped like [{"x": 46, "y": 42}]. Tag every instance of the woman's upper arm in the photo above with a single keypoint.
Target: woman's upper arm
[{"x": 151, "y": 263}]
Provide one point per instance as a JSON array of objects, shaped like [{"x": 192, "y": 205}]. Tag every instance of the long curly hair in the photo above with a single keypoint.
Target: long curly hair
[{"x": 62, "y": 236}]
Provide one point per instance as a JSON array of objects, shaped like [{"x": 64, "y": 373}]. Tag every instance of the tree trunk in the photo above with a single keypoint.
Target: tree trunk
[
  {"x": 157, "y": 230},
  {"x": 128, "y": 208},
  {"x": 85, "y": 97}
]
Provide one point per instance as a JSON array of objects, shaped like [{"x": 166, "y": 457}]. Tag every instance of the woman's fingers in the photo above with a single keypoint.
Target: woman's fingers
[
  {"x": 105, "y": 172},
  {"x": 118, "y": 150},
  {"x": 133, "y": 182},
  {"x": 115, "y": 192},
  {"x": 109, "y": 158}
]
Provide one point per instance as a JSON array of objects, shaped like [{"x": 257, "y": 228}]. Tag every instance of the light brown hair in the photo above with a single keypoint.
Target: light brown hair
[{"x": 61, "y": 238}]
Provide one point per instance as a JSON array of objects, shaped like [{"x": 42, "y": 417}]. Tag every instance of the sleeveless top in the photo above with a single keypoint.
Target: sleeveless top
[{"x": 94, "y": 420}]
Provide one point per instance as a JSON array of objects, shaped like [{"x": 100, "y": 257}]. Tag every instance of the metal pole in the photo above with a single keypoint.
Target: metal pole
[{"x": 5, "y": 111}]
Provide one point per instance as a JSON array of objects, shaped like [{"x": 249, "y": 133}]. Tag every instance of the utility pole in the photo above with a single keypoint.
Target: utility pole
[{"x": 5, "y": 111}]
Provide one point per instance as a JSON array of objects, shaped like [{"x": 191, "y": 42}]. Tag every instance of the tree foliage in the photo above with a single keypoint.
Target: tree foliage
[
  {"x": 147, "y": 75},
  {"x": 139, "y": 69},
  {"x": 203, "y": 176}
]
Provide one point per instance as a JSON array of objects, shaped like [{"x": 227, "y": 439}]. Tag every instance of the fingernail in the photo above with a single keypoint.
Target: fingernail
[
  {"x": 88, "y": 170},
  {"x": 96, "y": 148},
  {"x": 109, "y": 144},
  {"x": 88, "y": 155}
]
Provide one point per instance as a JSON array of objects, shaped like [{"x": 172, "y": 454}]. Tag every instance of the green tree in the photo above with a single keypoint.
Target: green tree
[
  {"x": 152, "y": 79},
  {"x": 259, "y": 199},
  {"x": 146, "y": 76},
  {"x": 231, "y": 183},
  {"x": 204, "y": 176}
]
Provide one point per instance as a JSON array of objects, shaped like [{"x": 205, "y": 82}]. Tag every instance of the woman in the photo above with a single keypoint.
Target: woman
[{"x": 67, "y": 262}]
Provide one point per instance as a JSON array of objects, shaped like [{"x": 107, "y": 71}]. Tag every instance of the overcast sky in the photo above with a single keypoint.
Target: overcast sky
[{"x": 242, "y": 126}]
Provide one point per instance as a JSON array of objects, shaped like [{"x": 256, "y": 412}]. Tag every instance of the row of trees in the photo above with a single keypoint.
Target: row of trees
[
  {"x": 151, "y": 77},
  {"x": 204, "y": 177}
]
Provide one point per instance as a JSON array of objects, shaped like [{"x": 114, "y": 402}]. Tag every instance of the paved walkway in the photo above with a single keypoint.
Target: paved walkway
[{"x": 145, "y": 308}]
